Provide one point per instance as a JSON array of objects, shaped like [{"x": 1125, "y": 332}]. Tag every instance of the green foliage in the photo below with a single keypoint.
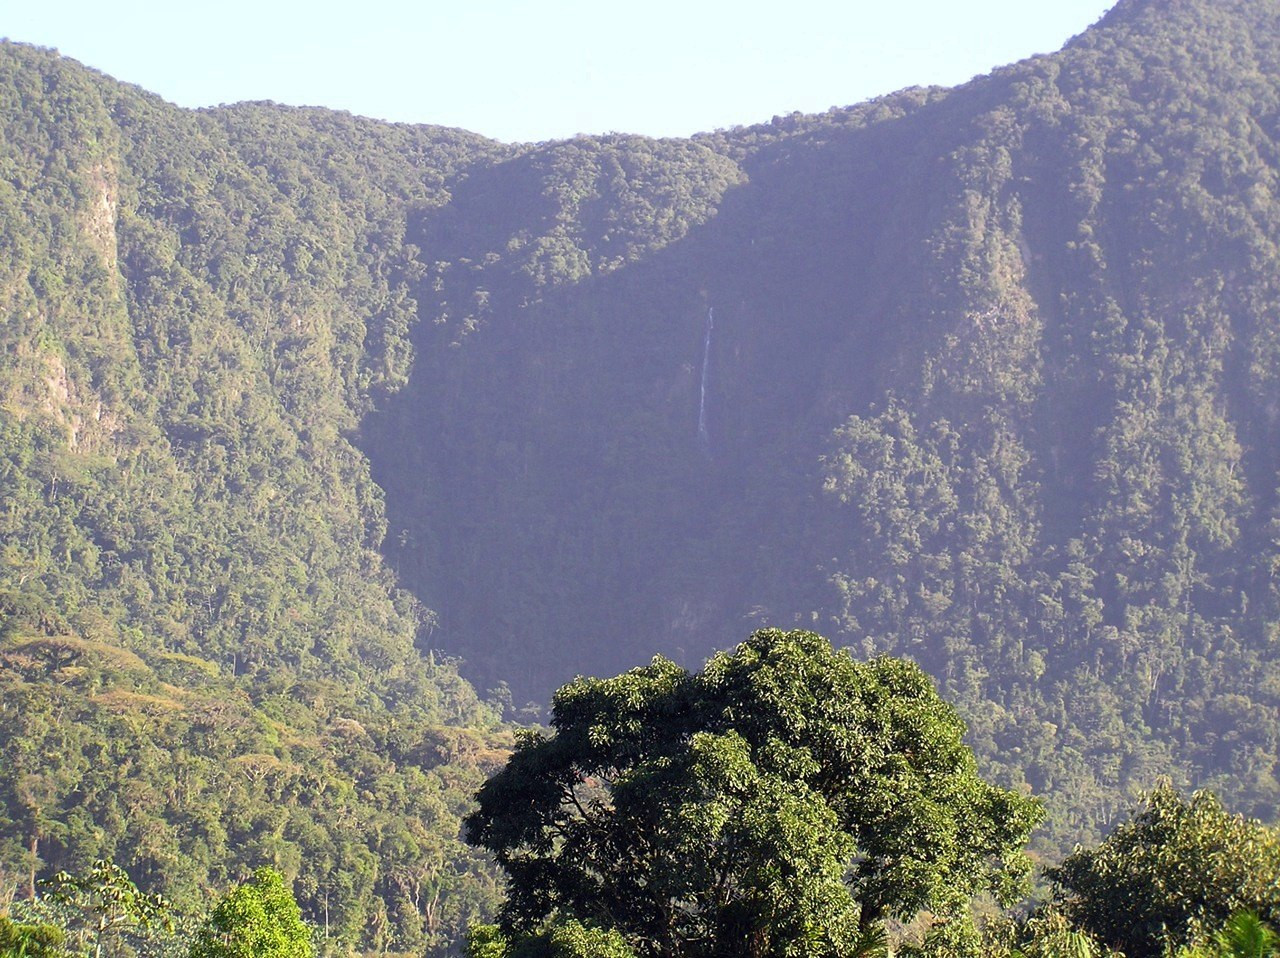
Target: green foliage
[
  {"x": 1048, "y": 934},
  {"x": 1045, "y": 933},
  {"x": 257, "y": 919},
  {"x": 19, "y": 940},
  {"x": 204, "y": 663},
  {"x": 485, "y": 941},
  {"x": 1244, "y": 936},
  {"x": 780, "y": 802},
  {"x": 106, "y": 904},
  {"x": 1176, "y": 869},
  {"x": 558, "y": 939}
]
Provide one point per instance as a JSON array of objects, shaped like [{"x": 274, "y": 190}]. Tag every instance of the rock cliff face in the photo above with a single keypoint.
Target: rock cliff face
[{"x": 993, "y": 384}]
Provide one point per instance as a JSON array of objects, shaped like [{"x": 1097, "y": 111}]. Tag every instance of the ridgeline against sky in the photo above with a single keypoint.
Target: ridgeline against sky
[{"x": 524, "y": 72}]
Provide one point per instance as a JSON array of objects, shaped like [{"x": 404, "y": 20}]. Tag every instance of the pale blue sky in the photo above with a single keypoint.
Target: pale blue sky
[{"x": 543, "y": 69}]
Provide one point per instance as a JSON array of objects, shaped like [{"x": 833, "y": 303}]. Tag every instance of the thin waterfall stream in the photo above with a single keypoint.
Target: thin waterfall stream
[{"x": 703, "y": 436}]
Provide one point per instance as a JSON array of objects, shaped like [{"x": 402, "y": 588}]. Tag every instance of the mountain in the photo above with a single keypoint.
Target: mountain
[
  {"x": 986, "y": 377},
  {"x": 205, "y": 664},
  {"x": 990, "y": 382}
]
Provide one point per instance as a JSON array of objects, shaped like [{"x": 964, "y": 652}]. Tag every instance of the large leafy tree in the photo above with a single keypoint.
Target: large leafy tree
[
  {"x": 780, "y": 802},
  {"x": 1178, "y": 868}
]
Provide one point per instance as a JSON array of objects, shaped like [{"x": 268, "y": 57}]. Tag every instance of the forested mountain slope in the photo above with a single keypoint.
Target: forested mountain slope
[
  {"x": 986, "y": 377},
  {"x": 991, "y": 382},
  {"x": 204, "y": 663}
]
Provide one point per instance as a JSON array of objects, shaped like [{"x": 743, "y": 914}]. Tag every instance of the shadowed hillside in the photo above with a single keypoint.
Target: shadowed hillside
[{"x": 991, "y": 384}]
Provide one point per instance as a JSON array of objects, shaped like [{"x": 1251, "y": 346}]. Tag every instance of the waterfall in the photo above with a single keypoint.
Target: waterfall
[{"x": 703, "y": 436}]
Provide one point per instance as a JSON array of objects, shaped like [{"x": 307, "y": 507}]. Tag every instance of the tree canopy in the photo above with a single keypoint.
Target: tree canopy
[
  {"x": 258, "y": 919},
  {"x": 22, "y": 940},
  {"x": 1178, "y": 869},
  {"x": 782, "y": 801}
]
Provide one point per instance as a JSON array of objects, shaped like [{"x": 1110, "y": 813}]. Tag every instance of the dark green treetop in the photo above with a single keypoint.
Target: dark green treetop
[
  {"x": 780, "y": 802},
  {"x": 1177, "y": 869},
  {"x": 23, "y": 940}
]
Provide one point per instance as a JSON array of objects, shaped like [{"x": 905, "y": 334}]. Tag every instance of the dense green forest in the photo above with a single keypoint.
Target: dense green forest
[
  {"x": 206, "y": 665},
  {"x": 310, "y": 422},
  {"x": 785, "y": 801}
]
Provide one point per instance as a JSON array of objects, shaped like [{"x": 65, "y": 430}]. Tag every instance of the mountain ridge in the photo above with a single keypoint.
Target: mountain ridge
[{"x": 1041, "y": 197}]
